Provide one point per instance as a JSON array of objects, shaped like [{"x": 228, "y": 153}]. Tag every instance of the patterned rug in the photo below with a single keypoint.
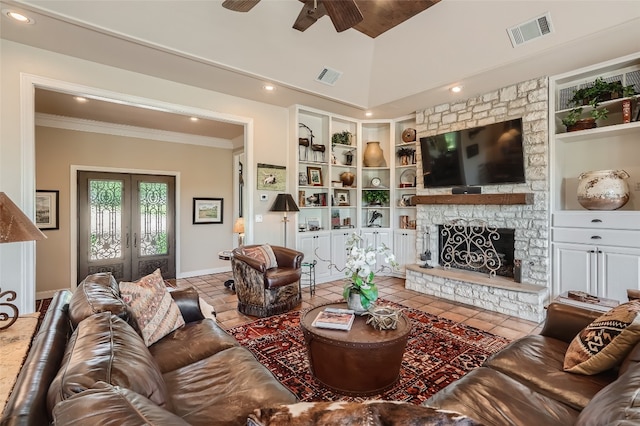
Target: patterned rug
[{"x": 439, "y": 351}]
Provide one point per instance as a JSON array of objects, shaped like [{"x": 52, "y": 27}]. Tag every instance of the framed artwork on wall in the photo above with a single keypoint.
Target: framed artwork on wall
[
  {"x": 47, "y": 209},
  {"x": 272, "y": 178},
  {"x": 207, "y": 210}
]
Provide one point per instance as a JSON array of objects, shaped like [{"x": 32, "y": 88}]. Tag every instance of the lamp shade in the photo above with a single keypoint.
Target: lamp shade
[
  {"x": 284, "y": 203},
  {"x": 14, "y": 225},
  {"x": 238, "y": 226}
]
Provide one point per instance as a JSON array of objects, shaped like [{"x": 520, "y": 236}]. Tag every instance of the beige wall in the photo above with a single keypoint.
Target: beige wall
[
  {"x": 202, "y": 171},
  {"x": 270, "y": 135}
]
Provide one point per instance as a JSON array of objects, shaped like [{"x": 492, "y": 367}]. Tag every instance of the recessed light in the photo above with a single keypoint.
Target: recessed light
[
  {"x": 18, "y": 16},
  {"x": 456, "y": 89},
  {"x": 269, "y": 87},
  {"x": 80, "y": 99},
  {"x": 194, "y": 119},
  {"x": 368, "y": 114}
]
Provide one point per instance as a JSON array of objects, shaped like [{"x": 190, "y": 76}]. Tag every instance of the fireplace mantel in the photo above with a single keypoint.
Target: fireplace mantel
[{"x": 475, "y": 199}]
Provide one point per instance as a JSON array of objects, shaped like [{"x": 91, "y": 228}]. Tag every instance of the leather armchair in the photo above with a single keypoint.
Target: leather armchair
[{"x": 264, "y": 292}]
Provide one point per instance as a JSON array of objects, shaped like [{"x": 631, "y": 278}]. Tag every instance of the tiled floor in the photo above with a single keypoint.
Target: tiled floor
[{"x": 211, "y": 288}]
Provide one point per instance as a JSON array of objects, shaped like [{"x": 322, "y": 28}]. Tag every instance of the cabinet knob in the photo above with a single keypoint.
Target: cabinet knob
[
  {"x": 596, "y": 221},
  {"x": 596, "y": 237}
]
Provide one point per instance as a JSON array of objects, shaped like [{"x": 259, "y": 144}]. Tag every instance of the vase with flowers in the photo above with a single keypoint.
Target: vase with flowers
[{"x": 360, "y": 290}]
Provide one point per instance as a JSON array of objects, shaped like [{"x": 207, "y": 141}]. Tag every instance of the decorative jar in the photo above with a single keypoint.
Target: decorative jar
[
  {"x": 603, "y": 189},
  {"x": 373, "y": 155},
  {"x": 347, "y": 178},
  {"x": 355, "y": 304}
]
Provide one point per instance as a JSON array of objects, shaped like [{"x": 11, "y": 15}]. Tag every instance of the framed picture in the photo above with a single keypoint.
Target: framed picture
[
  {"x": 207, "y": 210},
  {"x": 272, "y": 178},
  {"x": 342, "y": 197},
  {"x": 47, "y": 209},
  {"x": 314, "y": 175},
  {"x": 303, "y": 180}
]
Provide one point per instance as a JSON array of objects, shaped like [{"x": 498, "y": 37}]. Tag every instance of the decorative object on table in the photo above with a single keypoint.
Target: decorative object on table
[
  {"x": 626, "y": 111},
  {"x": 238, "y": 228},
  {"x": 312, "y": 200},
  {"x": 335, "y": 219},
  {"x": 347, "y": 178},
  {"x": 406, "y": 156},
  {"x": 376, "y": 182},
  {"x": 334, "y": 319},
  {"x": 373, "y": 155},
  {"x": 15, "y": 227},
  {"x": 404, "y": 221},
  {"x": 318, "y": 152},
  {"x": 47, "y": 209},
  {"x": 592, "y": 95},
  {"x": 272, "y": 178},
  {"x": 313, "y": 224},
  {"x": 409, "y": 135},
  {"x": 314, "y": 175},
  {"x": 207, "y": 210},
  {"x": 603, "y": 189},
  {"x": 284, "y": 203},
  {"x": 348, "y": 158},
  {"x": 342, "y": 138},
  {"x": 375, "y": 197},
  {"x": 383, "y": 317}
]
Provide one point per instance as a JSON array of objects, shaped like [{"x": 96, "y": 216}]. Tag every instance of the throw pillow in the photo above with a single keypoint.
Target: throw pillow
[
  {"x": 360, "y": 413},
  {"x": 263, "y": 254},
  {"x": 154, "y": 310},
  {"x": 606, "y": 341}
]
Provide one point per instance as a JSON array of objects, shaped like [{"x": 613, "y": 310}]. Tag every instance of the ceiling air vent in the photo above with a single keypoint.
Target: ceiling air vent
[
  {"x": 530, "y": 30},
  {"x": 328, "y": 76}
]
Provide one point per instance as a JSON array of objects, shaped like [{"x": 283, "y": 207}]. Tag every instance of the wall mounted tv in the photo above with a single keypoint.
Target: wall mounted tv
[{"x": 486, "y": 155}]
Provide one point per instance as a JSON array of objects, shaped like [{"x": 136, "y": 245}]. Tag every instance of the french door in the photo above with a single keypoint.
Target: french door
[{"x": 126, "y": 225}]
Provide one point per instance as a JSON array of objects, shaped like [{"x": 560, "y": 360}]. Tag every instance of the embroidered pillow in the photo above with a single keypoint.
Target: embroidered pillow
[
  {"x": 606, "y": 341},
  {"x": 263, "y": 254},
  {"x": 154, "y": 310}
]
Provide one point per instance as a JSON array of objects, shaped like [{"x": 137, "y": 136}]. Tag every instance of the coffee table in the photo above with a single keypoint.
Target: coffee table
[{"x": 360, "y": 362}]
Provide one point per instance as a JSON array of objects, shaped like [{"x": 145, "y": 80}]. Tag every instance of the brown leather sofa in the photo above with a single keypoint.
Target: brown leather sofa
[
  {"x": 262, "y": 290},
  {"x": 88, "y": 365},
  {"x": 524, "y": 384}
]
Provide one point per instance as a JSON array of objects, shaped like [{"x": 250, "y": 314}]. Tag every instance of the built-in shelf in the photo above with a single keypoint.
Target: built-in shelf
[{"x": 476, "y": 199}]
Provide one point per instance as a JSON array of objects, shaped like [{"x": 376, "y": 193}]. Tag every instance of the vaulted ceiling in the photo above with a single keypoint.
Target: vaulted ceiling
[{"x": 406, "y": 68}]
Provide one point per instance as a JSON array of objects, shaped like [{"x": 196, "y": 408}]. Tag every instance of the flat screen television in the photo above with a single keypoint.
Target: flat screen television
[{"x": 485, "y": 155}]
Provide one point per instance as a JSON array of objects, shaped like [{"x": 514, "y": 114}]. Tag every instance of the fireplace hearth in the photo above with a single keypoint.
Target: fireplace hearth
[{"x": 475, "y": 246}]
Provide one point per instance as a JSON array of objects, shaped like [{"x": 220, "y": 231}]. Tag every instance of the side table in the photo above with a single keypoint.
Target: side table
[
  {"x": 226, "y": 255},
  {"x": 310, "y": 273}
]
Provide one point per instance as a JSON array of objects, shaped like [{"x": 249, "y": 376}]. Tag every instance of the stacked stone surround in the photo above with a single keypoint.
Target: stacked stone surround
[{"x": 529, "y": 100}]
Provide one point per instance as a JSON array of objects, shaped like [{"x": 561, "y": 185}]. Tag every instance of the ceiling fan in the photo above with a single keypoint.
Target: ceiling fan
[{"x": 344, "y": 14}]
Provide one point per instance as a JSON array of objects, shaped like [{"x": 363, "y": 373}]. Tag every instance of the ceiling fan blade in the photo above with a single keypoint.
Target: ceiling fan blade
[
  {"x": 309, "y": 15},
  {"x": 239, "y": 5},
  {"x": 343, "y": 13}
]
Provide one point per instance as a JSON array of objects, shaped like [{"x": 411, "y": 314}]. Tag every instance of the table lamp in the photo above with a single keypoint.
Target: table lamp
[
  {"x": 284, "y": 203},
  {"x": 238, "y": 228},
  {"x": 14, "y": 227}
]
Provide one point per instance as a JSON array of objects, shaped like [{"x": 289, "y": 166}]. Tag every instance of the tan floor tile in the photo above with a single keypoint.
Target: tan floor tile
[
  {"x": 477, "y": 323},
  {"x": 430, "y": 309},
  {"x": 443, "y": 304},
  {"x": 518, "y": 326},
  {"x": 507, "y": 332},
  {"x": 464, "y": 310},
  {"x": 492, "y": 317},
  {"x": 454, "y": 316},
  {"x": 412, "y": 304}
]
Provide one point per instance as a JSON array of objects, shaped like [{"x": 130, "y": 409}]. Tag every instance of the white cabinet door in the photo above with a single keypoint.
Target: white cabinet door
[
  {"x": 574, "y": 268},
  {"x": 618, "y": 270},
  {"x": 317, "y": 246},
  {"x": 404, "y": 247},
  {"x": 375, "y": 239},
  {"x": 339, "y": 252}
]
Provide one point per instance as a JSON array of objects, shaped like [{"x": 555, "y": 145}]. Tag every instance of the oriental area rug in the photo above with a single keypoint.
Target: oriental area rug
[{"x": 439, "y": 351}]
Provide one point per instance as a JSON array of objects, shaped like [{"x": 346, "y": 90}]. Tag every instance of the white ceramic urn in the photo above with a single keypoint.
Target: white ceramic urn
[{"x": 603, "y": 189}]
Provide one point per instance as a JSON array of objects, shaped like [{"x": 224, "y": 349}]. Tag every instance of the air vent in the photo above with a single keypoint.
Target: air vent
[
  {"x": 530, "y": 30},
  {"x": 328, "y": 76}
]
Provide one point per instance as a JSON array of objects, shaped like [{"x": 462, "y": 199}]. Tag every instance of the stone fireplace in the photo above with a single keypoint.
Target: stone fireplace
[{"x": 526, "y": 217}]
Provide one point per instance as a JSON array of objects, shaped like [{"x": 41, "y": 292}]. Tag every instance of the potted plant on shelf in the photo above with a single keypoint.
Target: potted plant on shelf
[
  {"x": 405, "y": 155},
  {"x": 592, "y": 96},
  {"x": 342, "y": 138},
  {"x": 375, "y": 197}
]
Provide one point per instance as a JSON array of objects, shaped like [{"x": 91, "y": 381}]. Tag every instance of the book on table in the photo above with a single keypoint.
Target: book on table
[
  {"x": 585, "y": 300},
  {"x": 334, "y": 318}
]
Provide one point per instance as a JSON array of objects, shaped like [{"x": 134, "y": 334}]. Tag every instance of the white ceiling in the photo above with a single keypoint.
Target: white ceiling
[{"x": 405, "y": 69}]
